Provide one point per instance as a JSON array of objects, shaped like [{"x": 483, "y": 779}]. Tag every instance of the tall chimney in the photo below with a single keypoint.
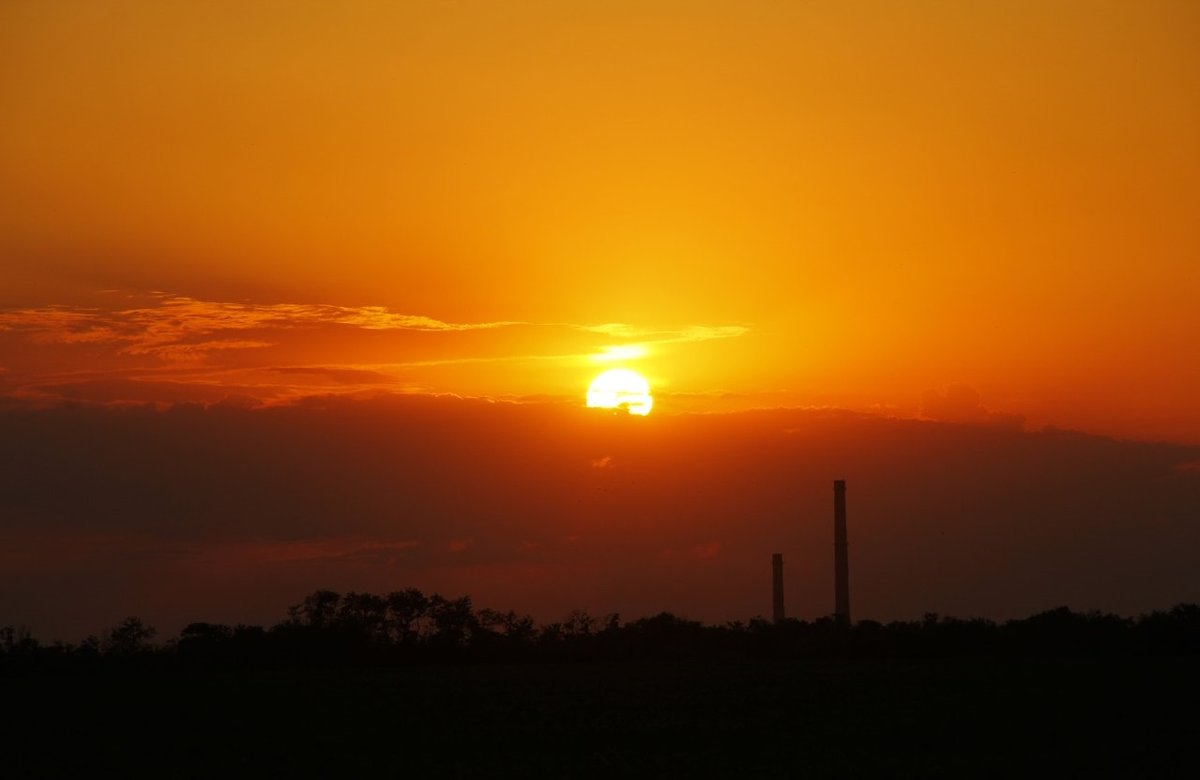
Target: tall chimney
[
  {"x": 777, "y": 587},
  {"x": 841, "y": 556}
]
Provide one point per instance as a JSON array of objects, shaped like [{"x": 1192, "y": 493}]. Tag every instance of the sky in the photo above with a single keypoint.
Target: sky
[{"x": 972, "y": 216}]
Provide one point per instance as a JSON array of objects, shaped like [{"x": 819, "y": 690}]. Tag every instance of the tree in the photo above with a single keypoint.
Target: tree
[
  {"x": 364, "y": 613},
  {"x": 579, "y": 623},
  {"x": 204, "y": 633},
  {"x": 131, "y": 637},
  {"x": 453, "y": 620},
  {"x": 405, "y": 612},
  {"x": 517, "y": 629},
  {"x": 319, "y": 609},
  {"x": 17, "y": 640}
]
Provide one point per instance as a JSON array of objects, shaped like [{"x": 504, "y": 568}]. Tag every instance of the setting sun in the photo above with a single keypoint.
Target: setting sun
[
  {"x": 879, "y": 309},
  {"x": 621, "y": 388}
]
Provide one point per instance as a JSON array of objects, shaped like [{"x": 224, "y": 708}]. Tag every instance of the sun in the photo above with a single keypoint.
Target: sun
[{"x": 621, "y": 388}]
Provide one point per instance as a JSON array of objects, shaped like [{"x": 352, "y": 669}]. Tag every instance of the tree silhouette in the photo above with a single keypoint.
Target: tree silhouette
[
  {"x": 131, "y": 637},
  {"x": 365, "y": 614},
  {"x": 16, "y": 640},
  {"x": 405, "y": 626},
  {"x": 454, "y": 622},
  {"x": 406, "y": 610},
  {"x": 319, "y": 609}
]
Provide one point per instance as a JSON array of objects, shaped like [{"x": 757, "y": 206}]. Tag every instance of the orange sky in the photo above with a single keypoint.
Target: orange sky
[{"x": 836, "y": 204}]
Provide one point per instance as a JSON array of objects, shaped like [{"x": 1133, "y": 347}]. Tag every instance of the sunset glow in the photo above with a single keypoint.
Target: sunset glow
[{"x": 328, "y": 294}]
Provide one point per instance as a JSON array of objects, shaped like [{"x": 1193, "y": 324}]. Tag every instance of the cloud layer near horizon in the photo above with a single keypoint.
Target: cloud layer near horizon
[
  {"x": 227, "y": 513},
  {"x": 170, "y": 348}
]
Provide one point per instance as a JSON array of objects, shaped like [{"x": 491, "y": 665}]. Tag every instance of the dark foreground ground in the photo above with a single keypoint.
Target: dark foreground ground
[{"x": 913, "y": 718}]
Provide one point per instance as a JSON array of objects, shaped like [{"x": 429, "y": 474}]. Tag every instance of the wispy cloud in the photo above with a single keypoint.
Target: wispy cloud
[
  {"x": 380, "y": 318},
  {"x": 1188, "y": 467},
  {"x": 710, "y": 332},
  {"x": 116, "y": 350},
  {"x": 691, "y": 333},
  {"x": 178, "y": 328},
  {"x": 339, "y": 374},
  {"x": 349, "y": 550},
  {"x": 618, "y": 330},
  {"x": 633, "y": 343}
]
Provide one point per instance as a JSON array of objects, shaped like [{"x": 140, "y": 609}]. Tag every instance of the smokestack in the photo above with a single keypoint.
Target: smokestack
[
  {"x": 841, "y": 556},
  {"x": 777, "y": 587}
]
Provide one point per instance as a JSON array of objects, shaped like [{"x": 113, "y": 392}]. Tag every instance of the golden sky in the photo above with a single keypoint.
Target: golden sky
[{"x": 956, "y": 209}]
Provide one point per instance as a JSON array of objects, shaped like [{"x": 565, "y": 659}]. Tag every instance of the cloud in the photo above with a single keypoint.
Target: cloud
[
  {"x": 380, "y": 318},
  {"x": 181, "y": 329},
  {"x": 953, "y": 403},
  {"x": 60, "y": 324},
  {"x": 175, "y": 327},
  {"x": 164, "y": 348},
  {"x": 615, "y": 329},
  {"x": 691, "y": 333},
  {"x": 709, "y": 332},
  {"x": 191, "y": 352},
  {"x": 960, "y": 403},
  {"x": 238, "y": 401},
  {"x": 455, "y": 495},
  {"x": 338, "y": 374},
  {"x": 346, "y": 550},
  {"x": 1188, "y": 467}
]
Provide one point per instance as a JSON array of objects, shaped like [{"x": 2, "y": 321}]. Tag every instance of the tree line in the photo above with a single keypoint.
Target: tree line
[{"x": 408, "y": 626}]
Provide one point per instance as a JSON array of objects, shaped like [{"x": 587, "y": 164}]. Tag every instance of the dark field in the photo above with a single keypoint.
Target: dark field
[{"x": 912, "y": 718}]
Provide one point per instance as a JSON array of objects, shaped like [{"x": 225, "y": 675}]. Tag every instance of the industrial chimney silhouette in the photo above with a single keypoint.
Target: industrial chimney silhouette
[
  {"x": 841, "y": 556},
  {"x": 777, "y": 587}
]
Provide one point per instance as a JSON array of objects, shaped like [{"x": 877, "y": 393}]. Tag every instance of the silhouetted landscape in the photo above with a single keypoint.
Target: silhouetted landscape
[
  {"x": 797, "y": 389},
  {"x": 231, "y": 512},
  {"x": 409, "y": 683}
]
